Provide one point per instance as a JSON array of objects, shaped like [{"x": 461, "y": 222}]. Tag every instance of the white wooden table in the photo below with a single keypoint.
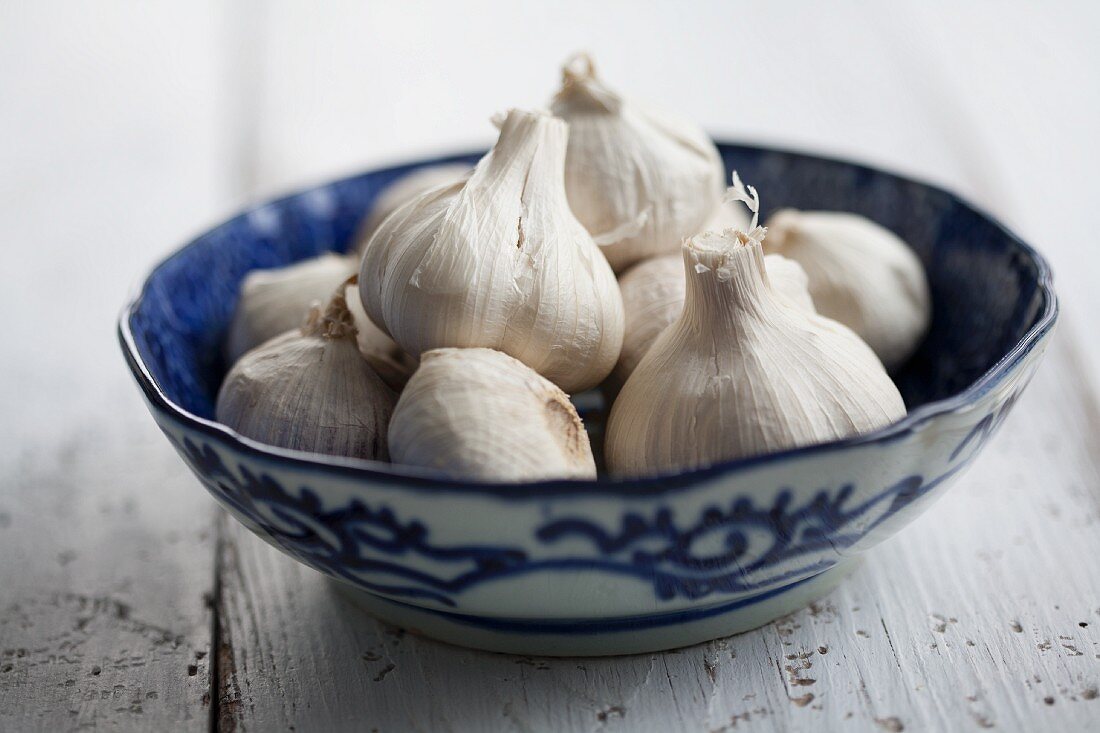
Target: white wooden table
[{"x": 127, "y": 601}]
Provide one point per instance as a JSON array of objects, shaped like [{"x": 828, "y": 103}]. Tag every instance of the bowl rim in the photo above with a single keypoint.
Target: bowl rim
[{"x": 651, "y": 485}]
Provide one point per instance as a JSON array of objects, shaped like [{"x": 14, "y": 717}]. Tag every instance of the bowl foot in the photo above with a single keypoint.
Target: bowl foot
[{"x": 607, "y": 636}]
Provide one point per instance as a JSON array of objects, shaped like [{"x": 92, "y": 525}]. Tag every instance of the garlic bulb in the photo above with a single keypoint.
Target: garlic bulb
[
  {"x": 387, "y": 358},
  {"x": 310, "y": 390},
  {"x": 653, "y": 298},
  {"x": 272, "y": 302},
  {"x": 479, "y": 414},
  {"x": 861, "y": 274},
  {"x": 499, "y": 261},
  {"x": 743, "y": 371},
  {"x": 638, "y": 179},
  {"x": 405, "y": 189}
]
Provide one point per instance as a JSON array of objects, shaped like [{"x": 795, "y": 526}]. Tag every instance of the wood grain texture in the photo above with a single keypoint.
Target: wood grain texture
[
  {"x": 105, "y": 584},
  {"x": 985, "y": 613},
  {"x": 110, "y": 154}
]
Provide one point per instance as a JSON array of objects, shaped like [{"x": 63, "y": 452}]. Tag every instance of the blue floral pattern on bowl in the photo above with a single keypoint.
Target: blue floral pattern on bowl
[{"x": 604, "y": 566}]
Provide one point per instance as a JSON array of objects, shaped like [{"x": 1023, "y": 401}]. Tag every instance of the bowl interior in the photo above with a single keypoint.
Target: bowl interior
[{"x": 985, "y": 283}]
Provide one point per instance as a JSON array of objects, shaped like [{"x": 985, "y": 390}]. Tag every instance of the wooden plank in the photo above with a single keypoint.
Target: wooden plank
[
  {"x": 106, "y": 581},
  {"x": 983, "y": 613},
  {"x": 111, "y": 153}
]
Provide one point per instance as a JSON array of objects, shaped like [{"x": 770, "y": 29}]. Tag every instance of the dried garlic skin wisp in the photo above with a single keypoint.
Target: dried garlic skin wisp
[
  {"x": 499, "y": 261},
  {"x": 743, "y": 372},
  {"x": 638, "y": 179},
  {"x": 481, "y": 415},
  {"x": 405, "y": 189},
  {"x": 653, "y": 298},
  {"x": 310, "y": 390},
  {"x": 273, "y": 302},
  {"x": 728, "y": 215},
  {"x": 861, "y": 274}
]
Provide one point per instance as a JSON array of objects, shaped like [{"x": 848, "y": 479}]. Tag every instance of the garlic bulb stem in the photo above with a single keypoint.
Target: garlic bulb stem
[
  {"x": 640, "y": 180},
  {"x": 653, "y": 299},
  {"x": 332, "y": 320},
  {"x": 583, "y": 89},
  {"x": 738, "y": 283}
]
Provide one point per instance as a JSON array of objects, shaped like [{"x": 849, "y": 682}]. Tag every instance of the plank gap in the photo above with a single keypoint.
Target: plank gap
[{"x": 216, "y": 686}]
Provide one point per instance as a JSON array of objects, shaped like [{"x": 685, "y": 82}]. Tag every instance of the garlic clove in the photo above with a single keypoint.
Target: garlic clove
[
  {"x": 310, "y": 390},
  {"x": 479, "y": 414},
  {"x": 860, "y": 274},
  {"x": 383, "y": 354},
  {"x": 499, "y": 261},
  {"x": 743, "y": 371},
  {"x": 653, "y": 298},
  {"x": 272, "y": 302},
  {"x": 405, "y": 189},
  {"x": 639, "y": 179}
]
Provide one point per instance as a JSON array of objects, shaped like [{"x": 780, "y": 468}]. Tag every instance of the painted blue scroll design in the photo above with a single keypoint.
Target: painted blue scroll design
[
  {"x": 347, "y": 542},
  {"x": 742, "y": 547},
  {"x": 988, "y": 425}
]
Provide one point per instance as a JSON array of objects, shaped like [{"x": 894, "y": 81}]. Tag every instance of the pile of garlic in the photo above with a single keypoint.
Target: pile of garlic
[{"x": 485, "y": 296}]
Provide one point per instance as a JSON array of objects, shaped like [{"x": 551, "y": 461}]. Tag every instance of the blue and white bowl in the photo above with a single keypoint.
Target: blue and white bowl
[{"x": 605, "y": 566}]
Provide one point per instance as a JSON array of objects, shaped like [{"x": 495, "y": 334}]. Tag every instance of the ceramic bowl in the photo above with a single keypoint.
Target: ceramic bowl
[{"x": 603, "y": 567}]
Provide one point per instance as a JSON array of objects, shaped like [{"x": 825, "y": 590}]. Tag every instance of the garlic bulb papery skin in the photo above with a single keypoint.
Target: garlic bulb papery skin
[
  {"x": 383, "y": 354},
  {"x": 310, "y": 390},
  {"x": 728, "y": 215},
  {"x": 499, "y": 261},
  {"x": 861, "y": 274},
  {"x": 638, "y": 179},
  {"x": 479, "y": 414},
  {"x": 272, "y": 302},
  {"x": 405, "y": 189},
  {"x": 743, "y": 372},
  {"x": 653, "y": 298},
  {"x": 789, "y": 280}
]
